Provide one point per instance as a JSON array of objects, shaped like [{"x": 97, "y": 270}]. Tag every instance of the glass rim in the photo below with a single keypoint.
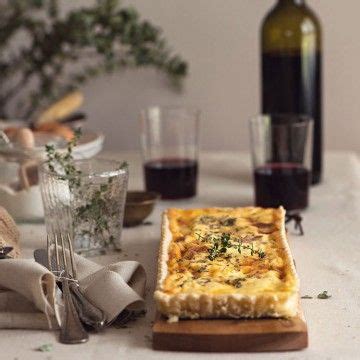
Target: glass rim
[
  {"x": 105, "y": 174},
  {"x": 192, "y": 110},
  {"x": 301, "y": 119}
]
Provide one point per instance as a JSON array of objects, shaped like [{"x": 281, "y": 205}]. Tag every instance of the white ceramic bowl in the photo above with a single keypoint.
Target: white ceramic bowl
[
  {"x": 23, "y": 205},
  {"x": 26, "y": 205},
  {"x": 90, "y": 143}
]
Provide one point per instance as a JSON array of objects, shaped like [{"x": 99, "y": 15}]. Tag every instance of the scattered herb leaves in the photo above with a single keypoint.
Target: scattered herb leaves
[
  {"x": 45, "y": 348},
  {"x": 307, "y": 297},
  {"x": 324, "y": 295}
]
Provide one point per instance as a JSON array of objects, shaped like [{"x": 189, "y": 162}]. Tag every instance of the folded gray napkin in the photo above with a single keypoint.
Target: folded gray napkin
[
  {"x": 27, "y": 295},
  {"x": 28, "y": 291}
]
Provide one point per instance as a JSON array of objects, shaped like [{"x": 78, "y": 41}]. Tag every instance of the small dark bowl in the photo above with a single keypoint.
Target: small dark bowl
[{"x": 139, "y": 205}]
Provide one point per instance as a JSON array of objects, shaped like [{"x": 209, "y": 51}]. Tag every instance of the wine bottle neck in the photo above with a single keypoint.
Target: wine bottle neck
[{"x": 291, "y": 2}]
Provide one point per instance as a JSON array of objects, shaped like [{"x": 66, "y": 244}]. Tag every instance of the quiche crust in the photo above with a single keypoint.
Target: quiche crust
[{"x": 193, "y": 284}]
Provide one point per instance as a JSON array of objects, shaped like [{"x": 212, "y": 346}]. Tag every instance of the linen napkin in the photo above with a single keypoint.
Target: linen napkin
[
  {"x": 114, "y": 287},
  {"x": 30, "y": 299},
  {"x": 27, "y": 295}
]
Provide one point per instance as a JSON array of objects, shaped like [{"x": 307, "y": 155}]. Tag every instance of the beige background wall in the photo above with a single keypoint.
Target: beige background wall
[{"x": 220, "y": 41}]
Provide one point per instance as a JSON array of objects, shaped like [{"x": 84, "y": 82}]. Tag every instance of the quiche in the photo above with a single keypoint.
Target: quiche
[{"x": 225, "y": 263}]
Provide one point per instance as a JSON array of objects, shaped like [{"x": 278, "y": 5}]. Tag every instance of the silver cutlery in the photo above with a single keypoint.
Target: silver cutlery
[
  {"x": 89, "y": 314},
  {"x": 4, "y": 139},
  {"x": 72, "y": 330},
  {"x": 4, "y": 251}
]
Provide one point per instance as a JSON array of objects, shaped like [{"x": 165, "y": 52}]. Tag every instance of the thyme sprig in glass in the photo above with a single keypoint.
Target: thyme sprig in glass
[
  {"x": 96, "y": 208},
  {"x": 62, "y": 164}
]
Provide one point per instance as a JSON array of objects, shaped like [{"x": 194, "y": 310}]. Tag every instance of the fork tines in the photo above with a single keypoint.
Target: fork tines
[{"x": 63, "y": 263}]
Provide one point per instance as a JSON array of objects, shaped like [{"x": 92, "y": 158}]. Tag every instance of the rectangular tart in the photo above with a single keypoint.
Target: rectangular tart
[{"x": 225, "y": 263}]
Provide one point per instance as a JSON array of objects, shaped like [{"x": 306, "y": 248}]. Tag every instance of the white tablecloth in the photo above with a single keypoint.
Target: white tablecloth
[{"x": 327, "y": 258}]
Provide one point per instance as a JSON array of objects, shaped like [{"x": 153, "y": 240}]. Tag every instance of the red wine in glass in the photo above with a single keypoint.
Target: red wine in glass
[
  {"x": 282, "y": 184},
  {"x": 173, "y": 178}
]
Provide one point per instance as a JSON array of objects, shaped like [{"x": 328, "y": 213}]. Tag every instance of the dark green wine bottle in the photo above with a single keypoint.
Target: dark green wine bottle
[{"x": 291, "y": 67}]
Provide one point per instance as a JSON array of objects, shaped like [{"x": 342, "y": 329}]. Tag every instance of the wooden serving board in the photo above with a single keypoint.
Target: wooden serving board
[{"x": 231, "y": 335}]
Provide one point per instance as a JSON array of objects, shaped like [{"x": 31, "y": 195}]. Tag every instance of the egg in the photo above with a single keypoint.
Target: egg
[{"x": 25, "y": 138}]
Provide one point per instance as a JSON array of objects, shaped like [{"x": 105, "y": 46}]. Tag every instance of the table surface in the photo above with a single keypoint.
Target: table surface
[{"x": 327, "y": 258}]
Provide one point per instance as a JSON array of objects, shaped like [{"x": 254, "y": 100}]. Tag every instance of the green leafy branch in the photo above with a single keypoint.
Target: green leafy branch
[{"x": 106, "y": 37}]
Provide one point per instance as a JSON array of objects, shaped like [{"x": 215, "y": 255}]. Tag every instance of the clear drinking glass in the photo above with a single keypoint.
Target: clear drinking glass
[
  {"x": 281, "y": 146},
  {"x": 88, "y": 205},
  {"x": 170, "y": 142}
]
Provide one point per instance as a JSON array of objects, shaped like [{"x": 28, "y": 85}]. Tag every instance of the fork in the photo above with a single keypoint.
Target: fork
[
  {"x": 89, "y": 314},
  {"x": 72, "y": 331}
]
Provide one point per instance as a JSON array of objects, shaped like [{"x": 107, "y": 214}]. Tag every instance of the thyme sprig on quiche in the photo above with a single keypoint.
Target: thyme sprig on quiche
[{"x": 221, "y": 243}]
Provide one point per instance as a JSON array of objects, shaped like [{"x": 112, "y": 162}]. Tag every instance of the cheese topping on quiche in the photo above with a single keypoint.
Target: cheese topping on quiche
[{"x": 226, "y": 251}]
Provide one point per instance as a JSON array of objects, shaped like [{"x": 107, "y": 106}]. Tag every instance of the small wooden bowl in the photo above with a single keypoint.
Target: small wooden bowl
[{"x": 139, "y": 205}]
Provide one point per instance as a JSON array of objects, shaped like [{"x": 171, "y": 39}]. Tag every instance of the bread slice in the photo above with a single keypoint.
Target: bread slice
[
  {"x": 61, "y": 109},
  {"x": 225, "y": 263}
]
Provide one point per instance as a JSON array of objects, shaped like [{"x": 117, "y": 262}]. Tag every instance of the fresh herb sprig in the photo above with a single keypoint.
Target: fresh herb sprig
[
  {"x": 97, "y": 209},
  {"x": 62, "y": 164},
  {"x": 94, "y": 210},
  {"x": 220, "y": 246},
  {"x": 221, "y": 243},
  {"x": 253, "y": 251}
]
